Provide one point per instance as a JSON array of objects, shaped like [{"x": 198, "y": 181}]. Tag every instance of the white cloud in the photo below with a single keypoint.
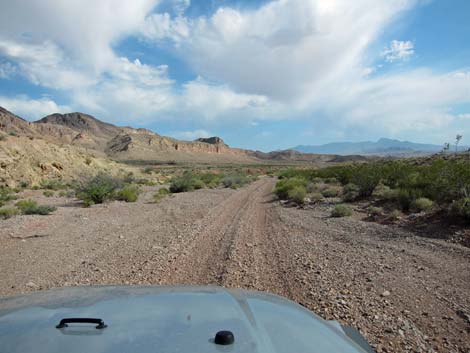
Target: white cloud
[
  {"x": 7, "y": 70},
  {"x": 464, "y": 116},
  {"x": 286, "y": 59},
  {"x": 32, "y": 109},
  {"x": 284, "y": 49},
  {"x": 398, "y": 50},
  {"x": 191, "y": 135}
]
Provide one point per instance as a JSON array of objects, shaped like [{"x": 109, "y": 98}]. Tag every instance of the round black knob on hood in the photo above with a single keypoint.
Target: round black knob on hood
[{"x": 224, "y": 338}]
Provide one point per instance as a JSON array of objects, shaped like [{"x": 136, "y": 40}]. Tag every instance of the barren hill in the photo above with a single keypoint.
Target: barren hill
[{"x": 29, "y": 150}]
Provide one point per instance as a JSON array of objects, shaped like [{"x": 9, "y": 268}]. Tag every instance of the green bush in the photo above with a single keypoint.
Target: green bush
[
  {"x": 98, "y": 189},
  {"x": 6, "y": 194},
  {"x": 461, "y": 208},
  {"x": 421, "y": 204},
  {"x": 284, "y": 185},
  {"x": 394, "y": 215},
  {"x": 48, "y": 193},
  {"x": 350, "y": 192},
  {"x": 316, "y": 196},
  {"x": 30, "y": 207},
  {"x": 161, "y": 194},
  {"x": 235, "y": 181},
  {"x": 297, "y": 194},
  {"x": 8, "y": 212},
  {"x": 330, "y": 192},
  {"x": 185, "y": 183},
  {"x": 129, "y": 193},
  {"x": 52, "y": 184},
  {"x": 374, "y": 211},
  {"x": 341, "y": 210},
  {"x": 332, "y": 180}
]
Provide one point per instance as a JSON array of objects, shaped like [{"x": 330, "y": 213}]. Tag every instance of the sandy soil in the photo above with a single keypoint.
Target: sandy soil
[{"x": 403, "y": 292}]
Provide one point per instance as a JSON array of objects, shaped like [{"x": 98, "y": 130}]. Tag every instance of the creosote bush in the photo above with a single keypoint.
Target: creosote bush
[
  {"x": 422, "y": 204},
  {"x": 128, "y": 193},
  {"x": 30, "y": 207},
  {"x": 98, "y": 189},
  {"x": 8, "y": 212},
  {"x": 297, "y": 194},
  {"x": 161, "y": 194},
  {"x": 48, "y": 193},
  {"x": 461, "y": 208},
  {"x": 341, "y": 210},
  {"x": 330, "y": 192}
]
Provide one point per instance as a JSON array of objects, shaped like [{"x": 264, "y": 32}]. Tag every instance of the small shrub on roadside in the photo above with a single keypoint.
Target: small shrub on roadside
[
  {"x": 297, "y": 194},
  {"x": 129, "y": 193},
  {"x": 374, "y": 211},
  {"x": 330, "y": 192},
  {"x": 394, "y": 215},
  {"x": 8, "y": 212},
  {"x": 161, "y": 194},
  {"x": 235, "y": 181},
  {"x": 147, "y": 170},
  {"x": 316, "y": 196},
  {"x": 341, "y": 210},
  {"x": 331, "y": 180},
  {"x": 421, "y": 204},
  {"x": 30, "y": 207},
  {"x": 461, "y": 208},
  {"x": 284, "y": 185},
  {"x": 98, "y": 189},
  {"x": 6, "y": 194},
  {"x": 48, "y": 193},
  {"x": 350, "y": 192},
  {"x": 52, "y": 184}
]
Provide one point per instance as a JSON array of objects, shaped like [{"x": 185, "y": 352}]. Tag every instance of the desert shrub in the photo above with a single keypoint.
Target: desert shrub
[
  {"x": 48, "y": 193},
  {"x": 317, "y": 180},
  {"x": 341, "y": 210},
  {"x": 235, "y": 181},
  {"x": 350, "y": 192},
  {"x": 63, "y": 193},
  {"x": 366, "y": 177},
  {"x": 406, "y": 197},
  {"x": 12, "y": 133},
  {"x": 330, "y": 192},
  {"x": 24, "y": 184},
  {"x": 128, "y": 193},
  {"x": 461, "y": 208},
  {"x": 316, "y": 196},
  {"x": 6, "y": 194},
  {"x": 30, "y": 207},
  {"x": 374, "y": 211},
  {"x": 421, "y": 204},
  {"x": 332, "y": 180},
  {"x": 52, "y": 184},
  {"x": 284, "y": 185},
  {"x": 210, "y": 180},
  {"x": 147, "y": 170},
  {"x": 161, "y": 194},
  {"x": 8, "y": 212},
  {"x": 311, "y": 187},
  {"x": 297, "y": 194},
  {"x": 2, "y": 137},
  {"x": 394, "y": 215},
  {"x": 98, "y": 189},
  {"x": 187, "y": 182}
]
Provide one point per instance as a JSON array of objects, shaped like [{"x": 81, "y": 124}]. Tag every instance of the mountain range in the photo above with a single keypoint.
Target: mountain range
[
  {"x": 382, "y": 147},
  {"x": 65, "y": 145}
]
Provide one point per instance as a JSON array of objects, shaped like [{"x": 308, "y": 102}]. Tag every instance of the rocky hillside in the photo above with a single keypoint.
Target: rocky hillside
[{"x": 60, "y": 144}]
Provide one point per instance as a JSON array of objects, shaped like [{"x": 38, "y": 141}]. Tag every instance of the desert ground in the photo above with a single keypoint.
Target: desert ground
[{"x": 404, "y": 292}]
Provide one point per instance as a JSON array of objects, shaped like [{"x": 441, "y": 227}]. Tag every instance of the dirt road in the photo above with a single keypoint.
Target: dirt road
[{"x": 405, "y": 293}]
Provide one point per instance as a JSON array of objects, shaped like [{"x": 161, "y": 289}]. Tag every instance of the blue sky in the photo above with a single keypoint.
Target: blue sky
[{"x": 261, "y": 74}]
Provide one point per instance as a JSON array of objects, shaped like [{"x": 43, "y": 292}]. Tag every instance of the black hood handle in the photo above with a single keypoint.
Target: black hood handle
[{"x": 82, "y": 320}]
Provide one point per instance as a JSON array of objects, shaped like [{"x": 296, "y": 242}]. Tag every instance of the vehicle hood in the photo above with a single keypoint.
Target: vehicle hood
[{"x": 164, "y": 319}]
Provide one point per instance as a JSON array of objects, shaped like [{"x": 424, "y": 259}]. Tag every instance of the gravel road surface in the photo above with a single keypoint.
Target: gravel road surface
[{"x": 403, "y": 292}]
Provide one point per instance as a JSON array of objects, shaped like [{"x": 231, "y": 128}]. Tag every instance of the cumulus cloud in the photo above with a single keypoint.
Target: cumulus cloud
[
  {"x": 398, "y": 50},
  {"x": 286, "y": 59},
  {"x": 32, "y": 109}
]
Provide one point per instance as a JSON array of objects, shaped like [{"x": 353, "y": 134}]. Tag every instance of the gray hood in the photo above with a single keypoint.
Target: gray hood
[{"x": 165, "y": 319}]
